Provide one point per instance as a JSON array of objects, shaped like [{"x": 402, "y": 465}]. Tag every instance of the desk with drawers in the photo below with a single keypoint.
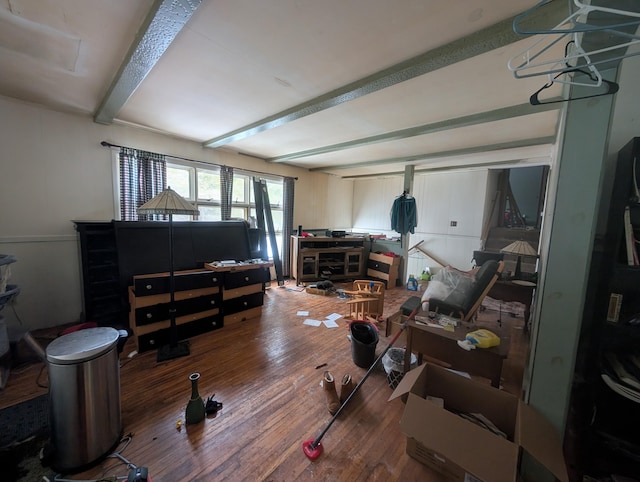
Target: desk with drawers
[{"x": 443, "y": 346}]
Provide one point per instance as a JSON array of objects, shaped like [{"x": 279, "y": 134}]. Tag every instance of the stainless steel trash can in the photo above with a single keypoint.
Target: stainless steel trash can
[{"x": 84, "y": 397}]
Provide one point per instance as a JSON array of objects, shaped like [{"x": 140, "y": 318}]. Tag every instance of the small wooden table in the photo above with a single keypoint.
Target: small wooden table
[
  {"x": 515, "y": 290},
  {"x": 442, "y": 345}
]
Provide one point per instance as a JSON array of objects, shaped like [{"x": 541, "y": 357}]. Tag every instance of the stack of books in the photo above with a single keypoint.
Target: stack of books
[
  {"x": 631, "y": 239},
  {"x": 621, "y": 373}
]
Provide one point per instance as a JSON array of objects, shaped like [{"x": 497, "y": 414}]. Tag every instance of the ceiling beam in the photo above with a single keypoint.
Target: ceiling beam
[
  {"x": 165, "y": 20},
  {"x": 465, "y": 121},
  {"x": 452, "y": 167},
  {"x": 485, "y": 40},
  {"x": 538, "y": 141}
]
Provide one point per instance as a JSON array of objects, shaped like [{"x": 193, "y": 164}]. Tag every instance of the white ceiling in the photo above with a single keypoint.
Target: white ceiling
[{"x": 235, "y": 63}]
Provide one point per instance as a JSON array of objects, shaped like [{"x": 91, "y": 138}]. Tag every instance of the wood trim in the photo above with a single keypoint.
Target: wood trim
[{"x": 478, "y": 302}]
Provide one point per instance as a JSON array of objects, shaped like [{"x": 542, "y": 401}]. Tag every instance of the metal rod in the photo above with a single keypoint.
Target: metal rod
[
  {"x": 315, "y": 443},
  {"x": 108, "y": 144}
]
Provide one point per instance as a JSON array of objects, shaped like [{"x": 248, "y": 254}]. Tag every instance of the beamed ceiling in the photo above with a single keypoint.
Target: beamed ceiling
[{"x": 353, "y": 88}]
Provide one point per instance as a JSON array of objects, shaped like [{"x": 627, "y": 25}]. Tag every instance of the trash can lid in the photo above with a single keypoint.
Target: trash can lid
[{"x": 82, "y": 345}]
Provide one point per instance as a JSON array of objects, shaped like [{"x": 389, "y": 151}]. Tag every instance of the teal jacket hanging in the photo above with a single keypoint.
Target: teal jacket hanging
[{"x": 404, "y": 214}]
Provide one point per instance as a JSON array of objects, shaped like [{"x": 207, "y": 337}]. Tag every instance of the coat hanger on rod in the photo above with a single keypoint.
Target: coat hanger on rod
[
  {"x": 531, "y": 63},
  {"x": 574, "y": 23},
  {"x": 611, "y": 87},
  {"x": 541, "y": 57}
]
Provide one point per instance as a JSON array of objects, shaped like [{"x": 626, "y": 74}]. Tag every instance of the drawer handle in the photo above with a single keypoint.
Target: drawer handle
[
  {"x": 149, "y": 316},
  {"x": 245, "y": 303},
  {"x": 152, "y": 342},
  {"x": 246, "y": 278},
  {"x": 215, "y": 280},
  {"x": 213, "y": 302},
  {"x": 214, "y": 323},
  {"x": 148, "y": 287}
]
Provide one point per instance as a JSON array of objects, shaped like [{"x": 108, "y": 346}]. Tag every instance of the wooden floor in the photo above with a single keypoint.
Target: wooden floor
[{"x": 264, "y": 372}]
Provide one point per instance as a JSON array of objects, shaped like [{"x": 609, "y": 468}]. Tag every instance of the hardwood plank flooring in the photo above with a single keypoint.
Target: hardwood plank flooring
[{"x": 263, "y": 371}]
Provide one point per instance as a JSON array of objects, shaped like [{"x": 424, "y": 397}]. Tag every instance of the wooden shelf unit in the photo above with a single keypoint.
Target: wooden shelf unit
[
  {"x": 321, "y": 257},
  {"x": 101, "y": 291},
  {"x": 604, "y": 412}
]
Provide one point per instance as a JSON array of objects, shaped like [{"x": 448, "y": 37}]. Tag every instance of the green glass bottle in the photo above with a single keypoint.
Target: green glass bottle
[{"x": 195, "y": 407}]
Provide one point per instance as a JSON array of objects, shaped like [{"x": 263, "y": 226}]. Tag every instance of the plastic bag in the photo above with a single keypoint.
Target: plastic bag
[
  {"x": 449, "y": 282},
  {"x": 393, "y": 363}
]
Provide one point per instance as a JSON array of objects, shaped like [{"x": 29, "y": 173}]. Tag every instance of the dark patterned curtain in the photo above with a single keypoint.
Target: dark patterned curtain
[
  {"x": 142, "y": 175},
  {"x": 287, "y": 223},
  {"x": 226, "y": 191}
]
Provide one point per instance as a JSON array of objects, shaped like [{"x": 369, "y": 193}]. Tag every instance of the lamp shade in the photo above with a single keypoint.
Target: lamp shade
[
  {"x": 521, "y": 248},
  {"x": 168, "y": 202}
]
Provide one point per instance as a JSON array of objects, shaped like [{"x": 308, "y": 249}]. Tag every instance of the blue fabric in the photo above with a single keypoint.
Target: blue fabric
[{"x": 404, "y": 214}]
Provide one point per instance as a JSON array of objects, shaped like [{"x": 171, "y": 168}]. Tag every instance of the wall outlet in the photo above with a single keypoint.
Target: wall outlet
[{"x": 454, "y": 223}]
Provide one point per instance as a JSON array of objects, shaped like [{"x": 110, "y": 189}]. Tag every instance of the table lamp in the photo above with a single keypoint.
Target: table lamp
[
  {"x": 170, "y": 202},
  {"x": 519, "y": 248}
]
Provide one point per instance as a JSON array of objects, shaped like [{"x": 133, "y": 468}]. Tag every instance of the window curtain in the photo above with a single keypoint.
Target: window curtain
[
  {"x": 226, "y": 191},
  {"x": 287, "y": 224},
  {"x": 142, "y": 175}
]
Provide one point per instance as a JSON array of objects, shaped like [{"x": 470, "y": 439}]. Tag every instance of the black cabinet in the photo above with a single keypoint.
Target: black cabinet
[
  {"x": 113, "y": 252},
  {"x": 604, "y": 418},
  {"x": 102, "y": 295}
]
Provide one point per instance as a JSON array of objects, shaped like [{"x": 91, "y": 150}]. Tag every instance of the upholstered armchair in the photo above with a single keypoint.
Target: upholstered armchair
[{"x": 459, "y": 294}]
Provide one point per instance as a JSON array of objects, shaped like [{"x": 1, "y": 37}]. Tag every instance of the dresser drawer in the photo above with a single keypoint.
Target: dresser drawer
[
  {"x": 159, "y": 312},
  {"x": 153, "y": 285},
  {"x": 154, "y": 340},
  {"x": 241, "y": 303},
  {"x": 243, "y": 278},
  {"x": 375, "y": 265}
]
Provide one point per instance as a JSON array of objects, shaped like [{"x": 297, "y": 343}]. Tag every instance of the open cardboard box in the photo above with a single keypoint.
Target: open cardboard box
[{"x": 453, "y": 446}]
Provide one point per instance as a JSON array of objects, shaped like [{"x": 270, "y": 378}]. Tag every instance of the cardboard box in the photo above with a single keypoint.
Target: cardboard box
[
  {"x": 316, "y": 291},
  {"x": 454, "y": 446}
]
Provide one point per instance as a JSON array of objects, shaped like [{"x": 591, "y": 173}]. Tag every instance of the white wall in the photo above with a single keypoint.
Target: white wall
[
  {"x": 441, "y": 197},
  {"x": 444, "y": 198},
  {"x": 340, "y": 203},
  {"x": 53, "y": 170},
  {"x": 372, "y": 201}
]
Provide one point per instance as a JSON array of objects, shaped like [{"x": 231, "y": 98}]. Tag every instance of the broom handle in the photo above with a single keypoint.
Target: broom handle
[{"x": 315, "y": 443}]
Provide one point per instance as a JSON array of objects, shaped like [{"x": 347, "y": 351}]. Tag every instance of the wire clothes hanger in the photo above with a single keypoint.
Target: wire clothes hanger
[
  {"x": 583, "y": 10},
  {"x": 528, "y": 68},
  {"x": 589, "y": 72},
  {"x": 532, "y": 62},
  {"x": 611, "y": 88}
]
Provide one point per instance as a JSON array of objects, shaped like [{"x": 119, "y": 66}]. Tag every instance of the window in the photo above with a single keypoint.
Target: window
[
  {"x": 201, "y": 186},
  {"x": 141, "y": 175}
]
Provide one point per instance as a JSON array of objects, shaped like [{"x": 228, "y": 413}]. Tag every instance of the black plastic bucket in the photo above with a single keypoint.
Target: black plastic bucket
[{"x": 364, "y": 338}]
